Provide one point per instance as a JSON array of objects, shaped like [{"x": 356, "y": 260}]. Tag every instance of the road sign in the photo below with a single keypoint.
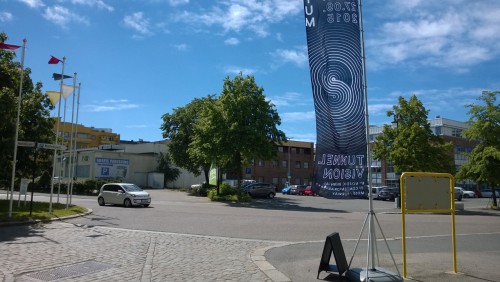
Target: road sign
[
  {"x": 26, "y": 144},
  {"x": 51, "y": 146}
]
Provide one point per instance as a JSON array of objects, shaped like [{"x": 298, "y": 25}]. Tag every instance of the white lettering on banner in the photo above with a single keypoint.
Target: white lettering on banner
[
  {"x": 310, "y": 21},
  {"x": 331, "y": 159}
]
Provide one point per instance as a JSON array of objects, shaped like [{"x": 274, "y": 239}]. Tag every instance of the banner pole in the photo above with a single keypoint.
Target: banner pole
[
  {"x": 70, "y": 147},
  {"x": 54, "y": 160},
  {"x": 13, "y": 179}
]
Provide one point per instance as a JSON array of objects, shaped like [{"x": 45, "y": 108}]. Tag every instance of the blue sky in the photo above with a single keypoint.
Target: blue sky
[{"x": 139, "y": 59}]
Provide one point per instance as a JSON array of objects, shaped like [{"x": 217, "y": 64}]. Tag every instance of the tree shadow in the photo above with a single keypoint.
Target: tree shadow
[{"x": 286, "y": 204}]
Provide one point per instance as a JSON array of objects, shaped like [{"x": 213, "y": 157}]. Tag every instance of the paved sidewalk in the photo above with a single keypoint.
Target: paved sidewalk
[{"x": 65, "y": 252}]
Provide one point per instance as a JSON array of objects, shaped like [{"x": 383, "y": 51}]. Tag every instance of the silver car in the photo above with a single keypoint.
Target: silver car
[{"x": 126, "y": 194}]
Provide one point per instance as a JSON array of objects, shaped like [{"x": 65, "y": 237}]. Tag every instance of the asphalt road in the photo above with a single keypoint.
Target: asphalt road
[{"x": 304, "y": 222}]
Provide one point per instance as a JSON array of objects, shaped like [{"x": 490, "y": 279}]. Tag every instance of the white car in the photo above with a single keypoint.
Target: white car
[
  {"x": 466, "y": 193},
  {"x": 126, "y": 194}
]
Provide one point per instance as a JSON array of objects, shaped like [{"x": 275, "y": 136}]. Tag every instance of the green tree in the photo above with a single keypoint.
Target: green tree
[
  {"x": 35, "y": 122},
  {"x": 165, "y": 165},
  {"x": 178, "y": 127},
  {"x": 411, "y": 146},
  {"x": 484, "y": 126},
  {"x": 239, "y": 127}
]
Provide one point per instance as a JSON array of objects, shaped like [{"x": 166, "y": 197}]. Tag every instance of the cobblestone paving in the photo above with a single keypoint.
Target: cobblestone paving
[{"x": 26, "y": 251}]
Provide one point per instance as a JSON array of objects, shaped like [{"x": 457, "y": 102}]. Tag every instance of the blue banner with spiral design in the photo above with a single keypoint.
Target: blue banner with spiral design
[{"x": 335, "y": 60}]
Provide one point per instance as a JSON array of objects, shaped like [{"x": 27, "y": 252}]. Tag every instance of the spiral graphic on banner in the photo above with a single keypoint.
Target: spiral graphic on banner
[{"x": 336, "y": 77}]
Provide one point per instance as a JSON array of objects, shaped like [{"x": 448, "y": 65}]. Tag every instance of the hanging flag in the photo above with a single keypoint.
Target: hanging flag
[
  {"x": 54, "y": 96},
  {"x": 54, "y": 60},
  {"x": 8, "y": 46},
  {"x": 67, "y": 90},
  {"x": 58, "y": 76},
  {"x": 337, "y": 78}
]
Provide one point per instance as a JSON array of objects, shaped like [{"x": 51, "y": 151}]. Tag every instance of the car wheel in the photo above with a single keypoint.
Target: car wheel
[
  {"x": 459, "y": 198},
  {"x": 271, "y": 195},
  {"x": 127, "y": 203},
  {"x": 101, "y": 202}
]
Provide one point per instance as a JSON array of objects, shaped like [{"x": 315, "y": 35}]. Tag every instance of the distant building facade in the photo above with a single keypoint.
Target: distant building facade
[
  {"x": 294, "y": 165},
  {"x": 86, "y": 137},
  {"x": 450, "y": 130}
]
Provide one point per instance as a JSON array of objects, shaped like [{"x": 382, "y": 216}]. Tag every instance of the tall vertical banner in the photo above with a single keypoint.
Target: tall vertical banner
[{"x": 337, "y": 78}]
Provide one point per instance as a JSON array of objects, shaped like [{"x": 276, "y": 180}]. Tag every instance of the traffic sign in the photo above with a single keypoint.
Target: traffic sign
[
  {"x": 51, "y": 146},
  {"x": 26, "y": 144}
]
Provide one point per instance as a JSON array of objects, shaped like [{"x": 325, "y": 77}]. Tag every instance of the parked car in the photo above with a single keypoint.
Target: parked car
[
  {"x": 126, "y": 194},
  {"x": 297, "y": 189},
  {"x": 309, "y": 191},
  {"x": 388, "y": 194},
  {"x": 459, "y": 193},
  {"x": 467, "y": 193},
  {"x": 260, "y": 190},
  {"x": 286, "y": 190},
  {"x": 376, "y": 191},
  {"x": 487, "y": 193}
]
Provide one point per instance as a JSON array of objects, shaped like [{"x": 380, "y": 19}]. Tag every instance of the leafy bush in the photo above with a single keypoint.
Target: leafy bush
[{"x": 228, "y": 194}]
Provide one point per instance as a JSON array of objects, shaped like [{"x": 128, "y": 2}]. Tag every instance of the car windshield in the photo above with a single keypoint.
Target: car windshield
[{"x": 131, "y": 188}]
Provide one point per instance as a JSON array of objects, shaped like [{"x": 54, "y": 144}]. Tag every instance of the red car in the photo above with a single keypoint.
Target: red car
[{"x": 309, "y": 191}]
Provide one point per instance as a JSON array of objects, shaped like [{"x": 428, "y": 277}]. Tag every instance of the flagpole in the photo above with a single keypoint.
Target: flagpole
[
  {"x": 17, "y": 130},
  {"x": 69, "y": 188},
  {"x": 76, "y": 129},
  {"x": 57, "y": 139}
]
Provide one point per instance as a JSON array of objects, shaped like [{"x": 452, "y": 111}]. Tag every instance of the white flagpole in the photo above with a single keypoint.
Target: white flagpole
[
  {"x": 17, "y": 131},
  {"x": 70, "y": 147},
  {"x": 57, "y": 140},
  {"x": 76, "y": 131}
]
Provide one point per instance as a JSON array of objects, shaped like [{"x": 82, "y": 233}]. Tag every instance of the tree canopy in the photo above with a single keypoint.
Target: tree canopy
[
  {"x": 35, "y": 122},
  {"x": 230, "y": 130},
  {"x": 178, "y": 127},
  {"x": 410, "y": 145},
  {"x": 483, "y": 165}
]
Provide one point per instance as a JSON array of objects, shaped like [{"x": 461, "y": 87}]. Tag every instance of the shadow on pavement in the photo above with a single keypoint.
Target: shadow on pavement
[
  {"x": 11, "y": 233},
  {"x": 280, "y": 204}
]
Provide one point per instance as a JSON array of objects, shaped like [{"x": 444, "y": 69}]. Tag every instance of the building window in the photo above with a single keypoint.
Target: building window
[
  {"x": 275, "y": 180},
  {"x": 294, "y": 150},
  {"x": 297, "y": 164},
  {"x": 261, "y": 179},
  {"x": 274, "y": 163},
  {"x": 261, "y": 163},
  {"x": 456, "y": 133},
  {"x": 437, "y": 130},
  {"x": 284, "y": 163},
  {"x": 306, "y": 181},
  {"x": 306, "y": 164},
  {"x": 280, "y": 149},
  {"x": 301, "y": 151},
  {"x": 297, "y": 181},
  {"x": 284, "y": 181}
]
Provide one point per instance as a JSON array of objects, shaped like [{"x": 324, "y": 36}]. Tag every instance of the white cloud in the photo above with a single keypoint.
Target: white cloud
[
  {"x": 237, "y": 15},
  {"x": 178, "y": 2},
  {"x": 33, "y": 3},
  {"x": 5, "y": 17},
  {"x": 98, "y": 3},
  {"x": 137, "y": 22},
  {"x": 291, "y": 99},
  {"x": 296, "y": 56},
  {"x": 445, "y": 36},
  {"x": 110, "y": 105},
  {"x": 232, "y": 41},
  {"x": 62, "y": 16},
  {"x": 181, "y": 47},
  {"x": 298, "y": 116},
  {"x": 237, "y": 70}
]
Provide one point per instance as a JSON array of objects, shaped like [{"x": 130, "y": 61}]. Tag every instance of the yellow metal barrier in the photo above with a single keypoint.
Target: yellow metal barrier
[{"x": 418, "y": 186}]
